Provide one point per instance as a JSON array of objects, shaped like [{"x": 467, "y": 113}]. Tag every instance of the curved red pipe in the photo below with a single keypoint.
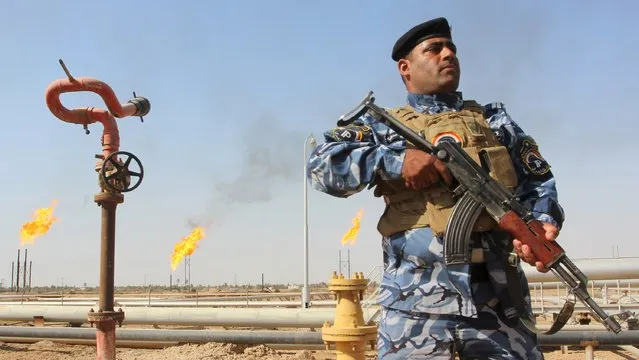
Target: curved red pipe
[{"x": 90, "y": 115}]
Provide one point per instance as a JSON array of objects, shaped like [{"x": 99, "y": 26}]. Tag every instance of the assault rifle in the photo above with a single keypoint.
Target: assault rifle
[{"x": 477, "y": 191}]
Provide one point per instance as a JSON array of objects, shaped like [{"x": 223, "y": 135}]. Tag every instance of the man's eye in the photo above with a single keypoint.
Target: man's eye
[{"x": 436, "y": 48}]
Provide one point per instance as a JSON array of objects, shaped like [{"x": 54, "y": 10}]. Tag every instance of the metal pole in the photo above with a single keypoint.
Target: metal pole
[{"x": 310, "y": 140}]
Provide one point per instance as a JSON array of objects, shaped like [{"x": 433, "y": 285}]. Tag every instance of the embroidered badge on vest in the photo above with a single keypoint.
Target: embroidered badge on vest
[
  {"x": 449, "y": 136},
  {"x": 532, "y": 159}
]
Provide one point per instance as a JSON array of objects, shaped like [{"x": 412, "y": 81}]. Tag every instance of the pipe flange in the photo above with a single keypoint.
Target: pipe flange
[
  {"x": 108, "y": 197},
  {"x": 98, "y": 316},
  {"x": 355, "y": 335},
  {"x": 332, "y": 333},
  {"x": 339, "y": 283}
]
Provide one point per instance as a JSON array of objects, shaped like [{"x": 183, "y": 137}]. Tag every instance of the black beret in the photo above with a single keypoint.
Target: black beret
[{"x": 432, "y": 28}]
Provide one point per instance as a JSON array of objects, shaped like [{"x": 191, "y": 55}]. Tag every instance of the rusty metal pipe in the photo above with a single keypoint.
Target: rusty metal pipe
[
  {"x": 139, "y": 106},
  {"x": 107, "y": 257},
  {"x": 79, "y": 115},
  {"x": 105, "y": 318}
]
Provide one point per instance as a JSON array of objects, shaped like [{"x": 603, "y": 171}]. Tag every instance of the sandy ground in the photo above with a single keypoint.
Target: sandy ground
[{"x": 47, "y": 350}]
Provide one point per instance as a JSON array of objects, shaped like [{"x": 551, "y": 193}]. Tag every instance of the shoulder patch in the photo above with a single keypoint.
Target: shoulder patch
[
  {"x": 532, "y": 159},
  {"x": 351, "y": 133}
]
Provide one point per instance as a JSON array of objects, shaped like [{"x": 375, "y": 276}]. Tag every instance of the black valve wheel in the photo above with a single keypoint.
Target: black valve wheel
[{"x": 116, "y": 174}]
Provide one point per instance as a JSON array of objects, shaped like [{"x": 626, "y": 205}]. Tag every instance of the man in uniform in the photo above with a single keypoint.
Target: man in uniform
[{"x": 430, "y": 310}]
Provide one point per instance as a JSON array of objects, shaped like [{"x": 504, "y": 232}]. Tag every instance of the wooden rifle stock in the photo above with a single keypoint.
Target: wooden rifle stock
[{"x": 532, "y": 234}]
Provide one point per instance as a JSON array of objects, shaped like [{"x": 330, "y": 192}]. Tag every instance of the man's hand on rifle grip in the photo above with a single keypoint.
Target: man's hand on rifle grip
[
  {"x": 421, "y": 170},
  {"x": 524, "y": 252}
]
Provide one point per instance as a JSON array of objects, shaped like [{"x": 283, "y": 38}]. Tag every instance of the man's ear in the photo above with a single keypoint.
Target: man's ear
[{"x": 403, "y": 65}]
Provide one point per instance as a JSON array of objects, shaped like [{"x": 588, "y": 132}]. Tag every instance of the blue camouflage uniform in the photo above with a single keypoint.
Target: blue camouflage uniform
[{"x": 429, "y": 310}]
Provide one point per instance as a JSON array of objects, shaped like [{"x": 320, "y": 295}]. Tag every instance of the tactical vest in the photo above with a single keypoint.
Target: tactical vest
[{"x": 431, "y": 207}]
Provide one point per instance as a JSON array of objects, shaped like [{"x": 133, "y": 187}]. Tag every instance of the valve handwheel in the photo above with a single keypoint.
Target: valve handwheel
[{"x": 116, "y": 174}]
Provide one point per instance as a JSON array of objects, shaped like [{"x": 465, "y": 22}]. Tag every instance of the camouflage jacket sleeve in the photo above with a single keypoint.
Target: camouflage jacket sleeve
[
  {"x": 353, "y": 156},
  {"x": 536, "y": 189}
]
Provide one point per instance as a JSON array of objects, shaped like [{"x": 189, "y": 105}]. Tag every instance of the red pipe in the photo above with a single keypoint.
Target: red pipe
[
  {"x": 105, "y": 340},
  {"x": 90, "y": 115}
]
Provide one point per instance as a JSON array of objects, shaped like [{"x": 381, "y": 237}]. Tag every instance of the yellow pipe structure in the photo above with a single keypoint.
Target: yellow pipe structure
[{"x": 349, "y": 333}]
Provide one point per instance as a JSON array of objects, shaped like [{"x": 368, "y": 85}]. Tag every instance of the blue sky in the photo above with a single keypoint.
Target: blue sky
[{"x": 237, "y": 83}]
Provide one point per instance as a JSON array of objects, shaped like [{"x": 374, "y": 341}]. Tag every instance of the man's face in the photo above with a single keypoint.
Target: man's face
[{"x": 431, "y": 67}]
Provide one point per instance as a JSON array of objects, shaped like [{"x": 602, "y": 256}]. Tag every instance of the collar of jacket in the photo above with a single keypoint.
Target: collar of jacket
[{"x": 436, "y": 103}]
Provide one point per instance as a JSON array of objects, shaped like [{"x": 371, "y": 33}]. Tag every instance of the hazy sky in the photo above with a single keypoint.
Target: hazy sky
[{"x": 236, "y": 87}]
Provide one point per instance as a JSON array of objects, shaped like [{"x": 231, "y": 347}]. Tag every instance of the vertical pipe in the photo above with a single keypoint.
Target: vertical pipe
[
  {"x": 541, "y": 291},
  {"x": 105, "y": 340},
  {"x": 12, "y": 271},
  {"x": 107, "y": 256},
  {"x": 24, "y": 271},
  {"x": 348, "y": 255},
  {"x": 590, "y": 352},
  {"x": 186, "y": 279},
  {"x": 618, "y": 295},
  {"x": 30, "y": 267},
  {"x": 18, "y": 273},
  {"x": 105, "y": 319}
]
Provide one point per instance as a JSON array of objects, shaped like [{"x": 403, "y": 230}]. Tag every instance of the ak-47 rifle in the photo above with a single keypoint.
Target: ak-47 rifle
[{"x": 477, "y": 191}]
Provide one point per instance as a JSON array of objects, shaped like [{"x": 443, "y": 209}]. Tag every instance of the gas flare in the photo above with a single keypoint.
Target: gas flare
[
  {"x": 42, "y": 220},
  {"x": 186, "y": 246},
  {"x": 351, "y": 234}
]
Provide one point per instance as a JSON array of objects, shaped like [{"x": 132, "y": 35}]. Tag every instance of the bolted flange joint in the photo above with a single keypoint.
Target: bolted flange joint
[{"x": 99, "y": 316}]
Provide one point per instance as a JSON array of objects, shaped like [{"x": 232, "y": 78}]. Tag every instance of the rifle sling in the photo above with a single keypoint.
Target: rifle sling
[{"x": 516, "y": 295}]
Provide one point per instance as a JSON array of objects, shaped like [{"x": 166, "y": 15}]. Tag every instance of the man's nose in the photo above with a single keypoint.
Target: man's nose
[{"x": 447, "y": 53}]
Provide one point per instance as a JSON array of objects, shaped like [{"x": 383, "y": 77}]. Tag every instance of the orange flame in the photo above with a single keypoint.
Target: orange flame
[
  {"x": 186, "y": 246},
  {"x": 42, "y": 220},
  {"x": 351, "y": 234}
]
